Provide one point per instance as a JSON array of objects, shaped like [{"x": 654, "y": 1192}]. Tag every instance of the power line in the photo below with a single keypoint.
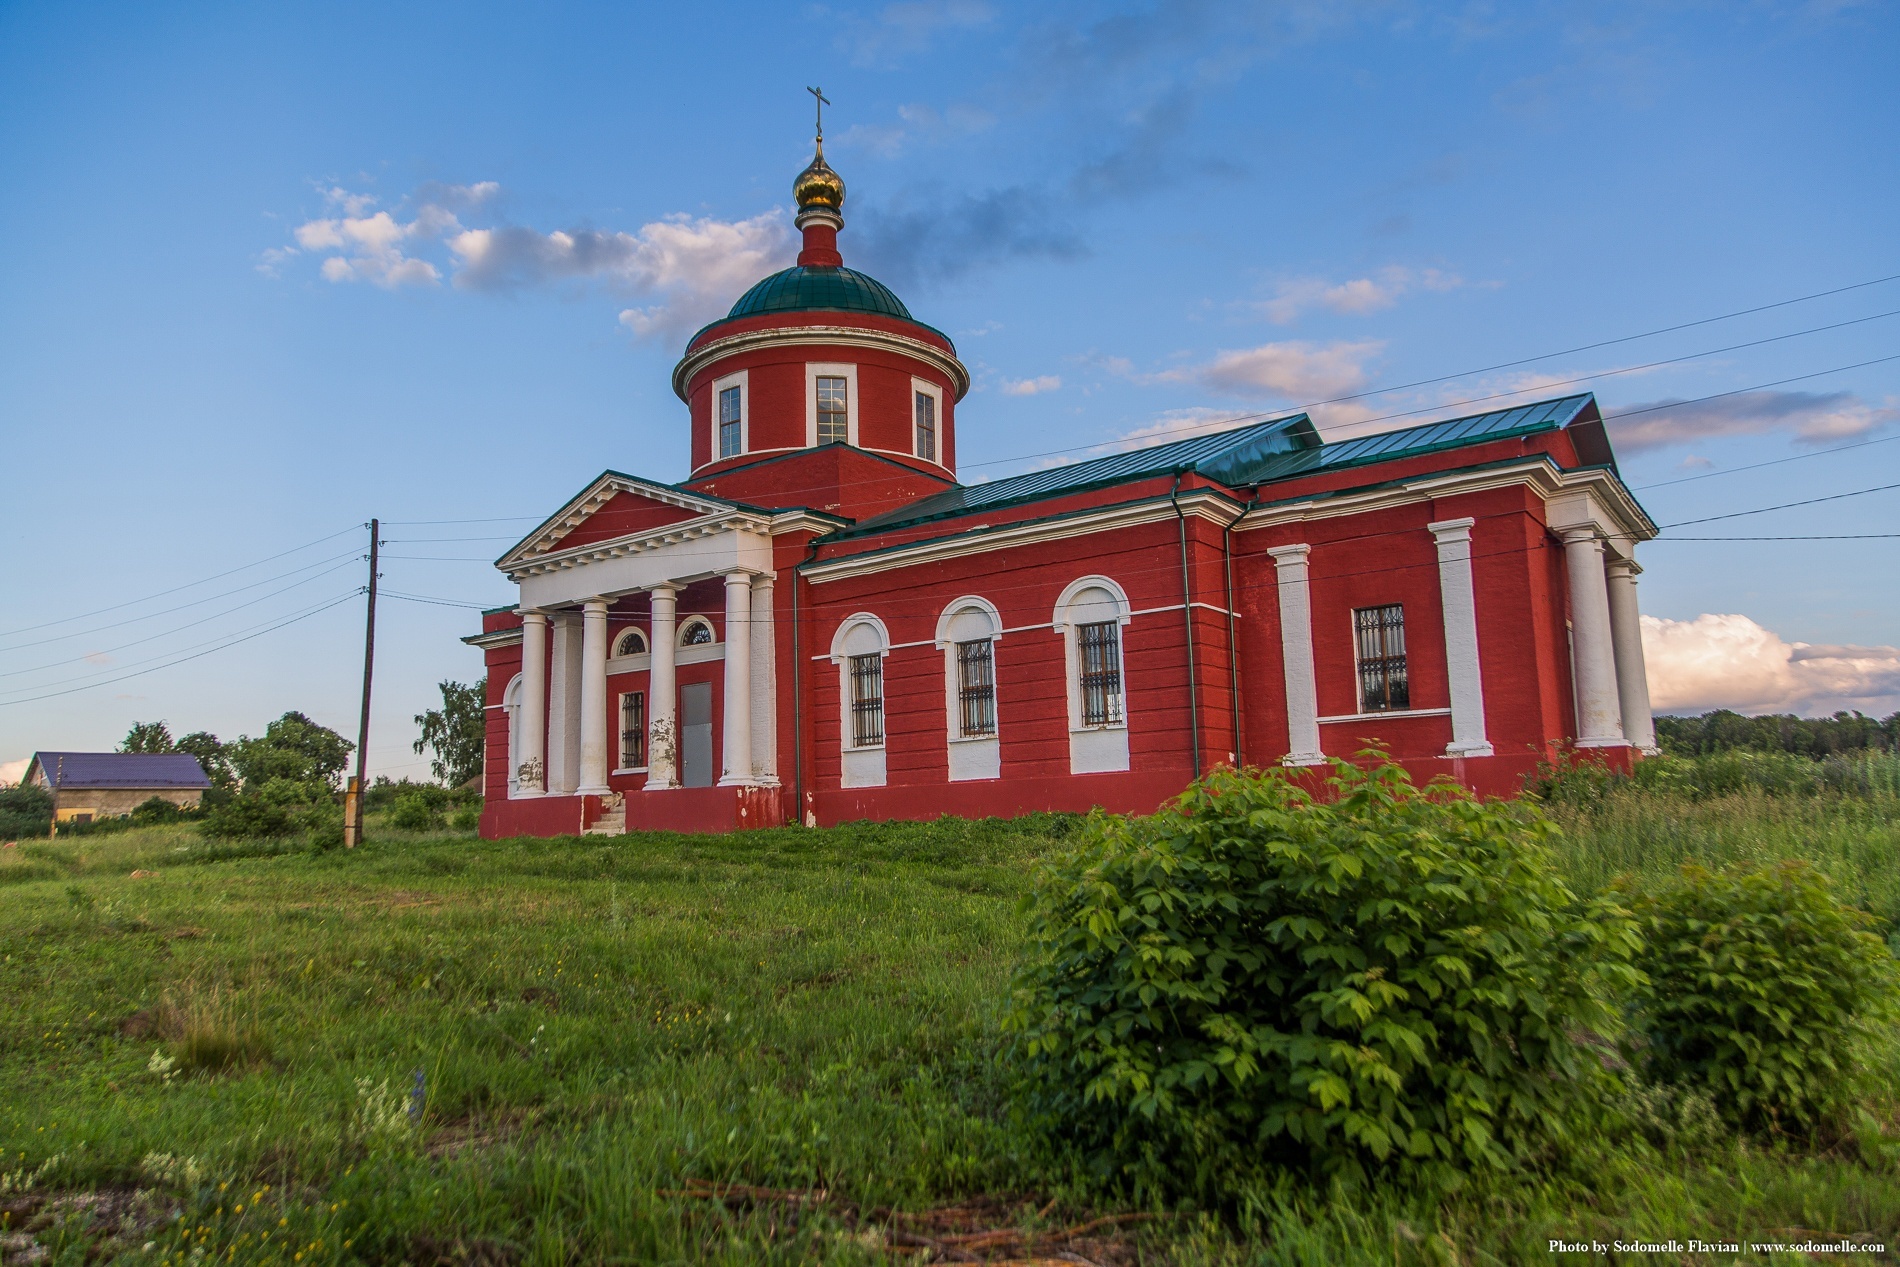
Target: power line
[
  {"x": 1755, "y": 466},
  {"x": 344, "y": 598},
  {"x": 1381, "y": 391},
  {"x": 179, "y": 628},
  {"x": 132, "y": 602},
  {"x": 1842, "y": 536},
  {"x": 1762, "y": 510},
  {"x": 196, "y": 602}
]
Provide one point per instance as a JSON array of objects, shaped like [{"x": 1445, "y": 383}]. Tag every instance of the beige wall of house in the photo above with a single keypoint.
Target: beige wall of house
[{"x": 74, "y": 803}]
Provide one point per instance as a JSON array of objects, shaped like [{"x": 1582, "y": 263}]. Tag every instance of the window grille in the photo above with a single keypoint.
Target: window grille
[
  {"x": 867, "y": 700},
  {"x": 926, "y": 426},
  {"x": 632, "y": 642},
  {"x": 834, "y": 426},
  {"x": 976, "y": 688},
  {"x": 1380, "y": 633},
  {"x": 633, "y": 730},
  {"x": 696, "y": 634},
  {"x": 729, "y": 437},
  {"x": 1098, "y": 647}
]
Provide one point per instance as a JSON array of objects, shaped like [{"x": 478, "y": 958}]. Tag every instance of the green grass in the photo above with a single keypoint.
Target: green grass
[{"x": 598, "y": 1022}]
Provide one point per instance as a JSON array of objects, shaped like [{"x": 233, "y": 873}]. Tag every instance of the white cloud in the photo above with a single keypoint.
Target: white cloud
[
  {"x": 1031, "y": 386},
  {"x": 686, "y": 270},
  {"x": 1729, "y": 661},
  {"x": 910, "y": 26},
  {"x": 1810, "y": 417},
  {"x": 11, "y": 772},
  {"x": 1354, "y": 297},
  {"x": 1291, "y": 370}
]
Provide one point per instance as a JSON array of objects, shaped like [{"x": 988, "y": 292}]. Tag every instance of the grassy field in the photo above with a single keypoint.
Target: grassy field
[{"x": 214, "y": 1051}]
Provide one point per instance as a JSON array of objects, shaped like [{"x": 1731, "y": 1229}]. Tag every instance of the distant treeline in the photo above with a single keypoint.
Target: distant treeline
[{"x": 1726, "y": 731}]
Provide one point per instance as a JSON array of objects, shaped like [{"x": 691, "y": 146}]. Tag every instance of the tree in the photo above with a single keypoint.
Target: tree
[
  {"x": 148, "y": 736},
  {"x": 212, "y": 755},
  {"x": 294, "y": 749},
  {"x": 457, "y": 732}
]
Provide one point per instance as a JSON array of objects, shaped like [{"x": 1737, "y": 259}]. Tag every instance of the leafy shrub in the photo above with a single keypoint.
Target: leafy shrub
[
  {"x": 156, "y": 810},
  {"x": 1762, "y": 990},
  {"x": 468, "y": 818},
  {"x": 414, "y": 813},
  {"x": 25, "y": 810},
  {"x": 249, "y": 817},
  {"x": 1393, "y": 982}
]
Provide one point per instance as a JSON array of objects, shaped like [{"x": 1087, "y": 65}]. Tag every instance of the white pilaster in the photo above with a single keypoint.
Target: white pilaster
[
  {"x": 594, "y": 765},
  {"x": 1296, "y": 654},
  {"x": 1593, "y": 660},
  {"x": 532, "y": 742},
  {"x": 1626, "y": 640},
  {"x": 1458, "y": 596},
  {"x": 564, "y": 706},
  {"x": 738, "y": 718},
  {"x": 764, "y": 685},
  {"x": 662, "y": 695}
]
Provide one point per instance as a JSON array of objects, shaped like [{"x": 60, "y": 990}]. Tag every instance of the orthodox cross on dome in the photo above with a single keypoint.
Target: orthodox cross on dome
[{"x": 819, "y": 104}]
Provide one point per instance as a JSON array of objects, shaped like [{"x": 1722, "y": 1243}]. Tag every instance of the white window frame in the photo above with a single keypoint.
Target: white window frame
[
  {"x": 924, "y": 387},
  {"x": 620, "y": 651},
  {"x": 970, "y": 756},
  {"x": 1100, "y": 748},
  {"x": 860, "y": 767},
  {"x": 815, "y": 370},
  {"x": 511, "y": 708},
  {"x": 743, "y": 382},
  {"x": 1358, "y": 696},
  {"x": 679, "y": 638},
  {"x": 620, "y": 715}
]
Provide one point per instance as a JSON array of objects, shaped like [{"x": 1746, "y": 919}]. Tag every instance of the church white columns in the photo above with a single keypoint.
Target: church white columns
[
  {"x": 737, "y": 763},
  {"x": 1592, "y": 649},
  {"x": 1296, "y": 655},
  {"x": 531, "y": 774},
  {"x": 593, "y": 704},
  {"x": 1626, "y": 639},
  {"x": 764, "y": 685},
  {"x": 662, "y": 695},
  {"x": 564, "y": 706},
  {"x": 1459, "y": 600}
]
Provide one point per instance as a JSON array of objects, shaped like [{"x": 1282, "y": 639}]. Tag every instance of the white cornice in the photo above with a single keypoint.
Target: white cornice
[
  {"x": 638, "y": 543},
  {"x": 829, "y": 336},
  {"x": 591, "y": 499},
  {"x": 1626, "y": 519},
  {"x": 805, "y": 521},
  {"x": 1201, "y": 503},
  {"x": 494, "y": 638}
]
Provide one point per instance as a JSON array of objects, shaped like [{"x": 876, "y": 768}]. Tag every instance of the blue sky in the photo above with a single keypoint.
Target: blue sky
[{"x": 271, "y": 270}]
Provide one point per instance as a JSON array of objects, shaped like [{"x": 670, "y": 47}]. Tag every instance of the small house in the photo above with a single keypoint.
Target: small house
[{"x": 93, "y": 785}]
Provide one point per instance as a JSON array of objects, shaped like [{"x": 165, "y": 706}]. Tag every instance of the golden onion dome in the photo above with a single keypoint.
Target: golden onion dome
[{"x": 818, "y": 186}]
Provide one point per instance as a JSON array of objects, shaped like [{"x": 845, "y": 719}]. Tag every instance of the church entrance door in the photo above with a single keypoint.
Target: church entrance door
[{"x": 696, "y": 746}]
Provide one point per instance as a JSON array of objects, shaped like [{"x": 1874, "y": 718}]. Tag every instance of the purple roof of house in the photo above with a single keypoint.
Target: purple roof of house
[{"x": 119, "y": 769}]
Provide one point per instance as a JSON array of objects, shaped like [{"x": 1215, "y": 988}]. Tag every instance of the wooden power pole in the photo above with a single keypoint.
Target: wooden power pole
[{"x": 353, "y": 797}]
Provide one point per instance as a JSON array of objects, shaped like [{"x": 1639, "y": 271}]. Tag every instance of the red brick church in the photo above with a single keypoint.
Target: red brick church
[{"x": 820, "y": 623}]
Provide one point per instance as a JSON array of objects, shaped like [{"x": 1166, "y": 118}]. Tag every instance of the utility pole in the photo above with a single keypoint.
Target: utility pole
[{"x": 353, "y": 797}]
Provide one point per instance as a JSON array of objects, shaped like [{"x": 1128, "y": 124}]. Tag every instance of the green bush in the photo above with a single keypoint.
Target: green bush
[
  {"x": 1393, "y": 982},
  {"x": 414, "y": 813},
  {"x": 249, "y": 817},
  {"x": 25, "y": 810},
  {"x": 1762, "y": 991},
  {"x": 156, "y": 810},
  {"x": 468, "y": 818}
]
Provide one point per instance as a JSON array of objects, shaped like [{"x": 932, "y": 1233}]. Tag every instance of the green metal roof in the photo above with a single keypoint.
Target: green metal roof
[
  {"x": 820, "y": 290},
  {"x": 1279, "y": 449}
]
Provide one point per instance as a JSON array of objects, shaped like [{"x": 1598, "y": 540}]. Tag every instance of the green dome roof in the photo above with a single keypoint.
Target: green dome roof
[{"x": 802, "y": 289}]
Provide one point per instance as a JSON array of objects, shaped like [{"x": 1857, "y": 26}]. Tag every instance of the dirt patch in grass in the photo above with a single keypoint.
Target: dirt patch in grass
[
  {"x": 117, "y": 1219},
  {"x": 441, "y": 1251}
]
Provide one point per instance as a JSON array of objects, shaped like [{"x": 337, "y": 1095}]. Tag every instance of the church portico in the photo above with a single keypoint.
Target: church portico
[{"x": 820, "y": 623}]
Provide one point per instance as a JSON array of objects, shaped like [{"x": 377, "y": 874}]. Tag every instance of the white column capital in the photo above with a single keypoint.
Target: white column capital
[
  {"x": 1290, "y": 556},
  {"x": 666, "y": 587},
  {"x": 1581, "y": 535},
  {"x": 1622, "y": 569},
  {"x": 1450, "y": 530}
]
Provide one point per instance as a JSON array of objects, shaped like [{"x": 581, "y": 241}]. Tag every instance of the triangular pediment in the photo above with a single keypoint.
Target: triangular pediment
[{"x": 613, "y": 506}]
